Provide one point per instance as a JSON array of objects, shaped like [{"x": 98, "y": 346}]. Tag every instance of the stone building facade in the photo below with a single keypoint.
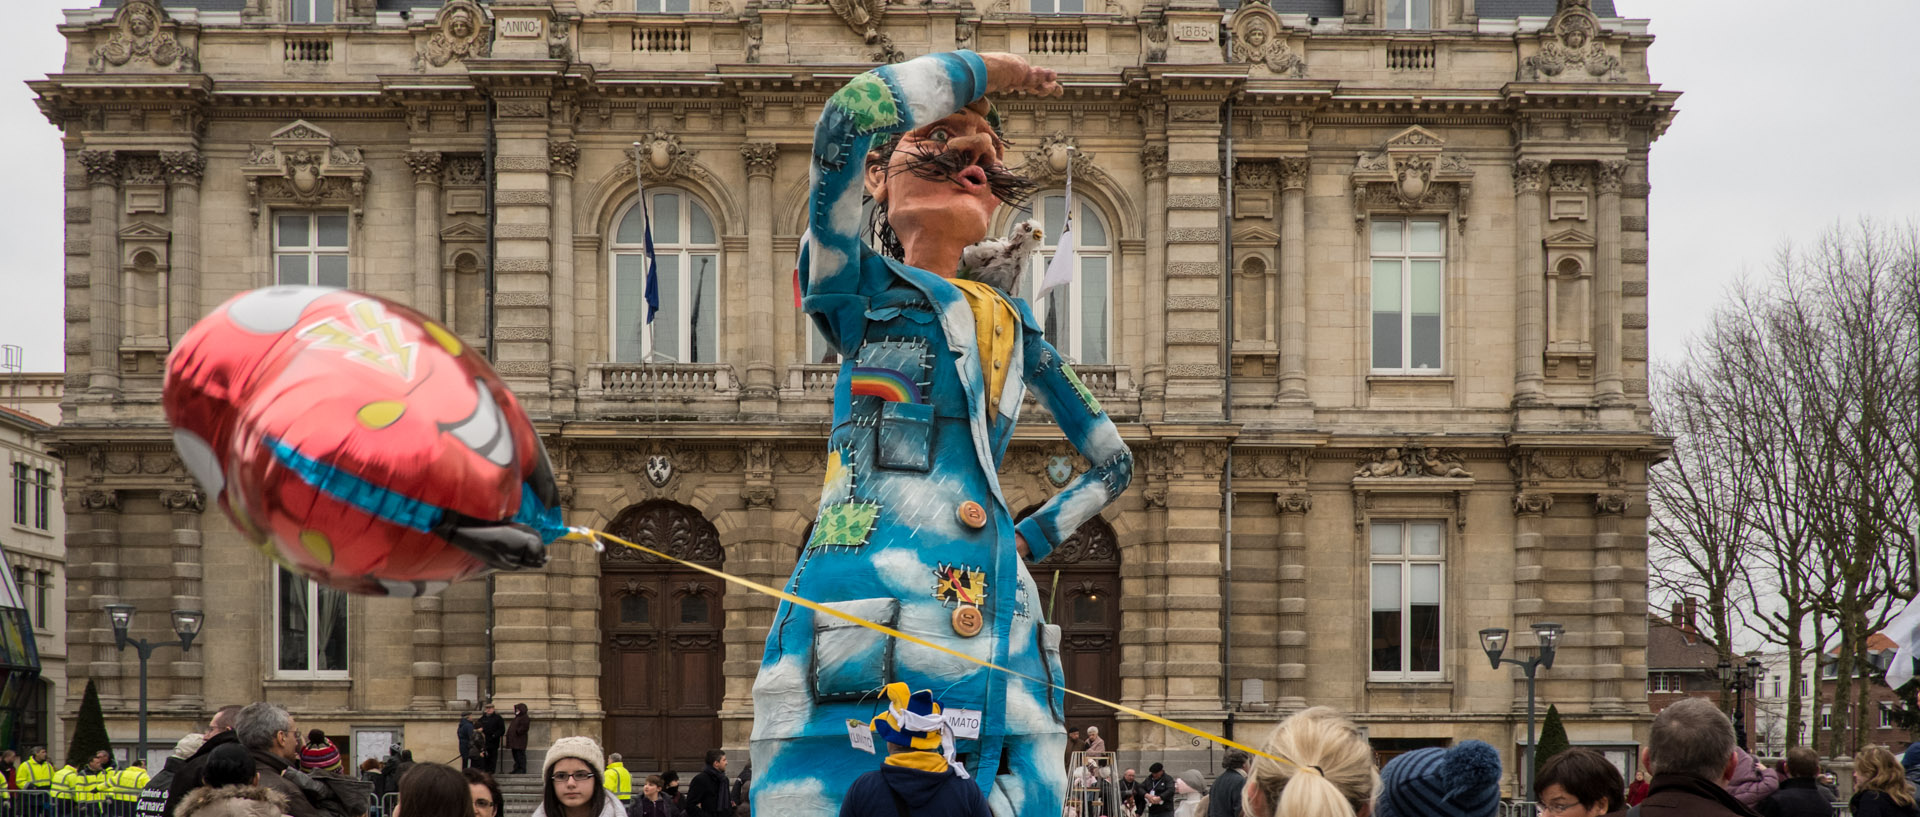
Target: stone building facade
[
  {"x": 33, "y": 538},
  {"x": 1365, "y": 285}
]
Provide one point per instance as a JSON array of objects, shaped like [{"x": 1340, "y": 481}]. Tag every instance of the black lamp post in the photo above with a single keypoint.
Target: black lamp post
[
  {"x": 1738, "y": 677},
  {"x": 1494, "y": 641},
  {"x": 186, "y": 624}
]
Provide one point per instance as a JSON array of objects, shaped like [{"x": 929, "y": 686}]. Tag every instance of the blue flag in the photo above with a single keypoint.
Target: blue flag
[{"x": 653, "y": 264}]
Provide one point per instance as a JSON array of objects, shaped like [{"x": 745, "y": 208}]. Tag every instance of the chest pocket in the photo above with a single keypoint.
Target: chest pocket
[{"x": 890, "y": 379}]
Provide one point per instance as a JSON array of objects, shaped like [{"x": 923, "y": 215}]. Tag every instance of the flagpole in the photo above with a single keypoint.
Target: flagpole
[
  {"x": 1060, "y": 268},
  {"x": 650, "y": 374}
]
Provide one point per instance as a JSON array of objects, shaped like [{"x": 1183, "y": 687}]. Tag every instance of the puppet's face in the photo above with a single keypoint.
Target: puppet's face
[{"x": 937, "y": 178}]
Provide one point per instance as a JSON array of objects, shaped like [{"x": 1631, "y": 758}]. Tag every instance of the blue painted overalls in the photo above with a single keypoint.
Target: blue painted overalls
[{"x": 912, "y": 529}]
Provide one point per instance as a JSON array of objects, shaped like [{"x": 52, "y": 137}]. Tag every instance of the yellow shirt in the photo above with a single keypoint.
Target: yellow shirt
[{"x": 996, "y": 327}]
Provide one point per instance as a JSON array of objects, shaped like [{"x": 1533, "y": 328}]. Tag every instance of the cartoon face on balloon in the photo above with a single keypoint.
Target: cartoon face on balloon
[{"x": 358, "y": 442}]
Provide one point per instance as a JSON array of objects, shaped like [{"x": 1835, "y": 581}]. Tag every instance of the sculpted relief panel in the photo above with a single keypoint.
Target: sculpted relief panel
[{"x": 142, "y": 33}]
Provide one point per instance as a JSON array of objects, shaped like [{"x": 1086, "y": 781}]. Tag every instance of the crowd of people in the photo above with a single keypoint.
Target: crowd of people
[{"x": 254, "y": 762}]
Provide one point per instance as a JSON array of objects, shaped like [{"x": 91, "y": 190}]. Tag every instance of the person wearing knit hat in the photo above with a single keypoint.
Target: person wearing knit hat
[
  {"x": 1461, "y": 781},
  {"x": 321, "y": 753},
  {"x": 920, "y": 776},
  {"x": 1188, "y": 791},
  {"x": 572, "y": 785}
]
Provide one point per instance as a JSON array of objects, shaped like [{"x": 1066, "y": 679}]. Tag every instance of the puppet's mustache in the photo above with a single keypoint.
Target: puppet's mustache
[{"x": 936, "y": 165}]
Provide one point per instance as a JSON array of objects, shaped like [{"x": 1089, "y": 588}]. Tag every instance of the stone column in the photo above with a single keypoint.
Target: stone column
[
  {"x": 1610, "y": 609},
  {"x": 761, "y": 390},
  {"x": 184, "y": 169},
  {"x": 762, "y": 556},
  {"x": 1293, "y": 507},
  {"x": 564, "y": 156},
  {"x": 1196, "y": 270},
  {"x": 1529, "y": 341},
  {"x": 1153, "y": 161},
  {"x": 1606, "y": 279},
  {"x": 429, "y": 673},
  {"x": 1293, "y": 281},
  {"x": 426, "y": 297},
  {"x": 1529, "y": 568},
  {"x": 188, "y": 670},
  {"x": 93, "y": 574},
  {"x": 103, "y": 341}
]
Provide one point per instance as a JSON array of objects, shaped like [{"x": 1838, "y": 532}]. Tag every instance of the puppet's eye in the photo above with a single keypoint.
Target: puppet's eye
[{"x": 939, "y": 135}]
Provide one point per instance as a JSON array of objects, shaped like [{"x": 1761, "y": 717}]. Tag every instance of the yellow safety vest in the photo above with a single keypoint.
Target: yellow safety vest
[
  {"x": 127, "y": 783},
  {"x": 619, "y": 781},
  {"x": 64, "y": 781},
  {"x": 38, "y": 774},
  {"x": 92, "y": 787}
]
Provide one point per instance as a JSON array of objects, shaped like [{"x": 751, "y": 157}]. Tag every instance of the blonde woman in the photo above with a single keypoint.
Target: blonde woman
[
  {"x": 1332, "y": 773},
  {"x": 1881, "y": 788}
]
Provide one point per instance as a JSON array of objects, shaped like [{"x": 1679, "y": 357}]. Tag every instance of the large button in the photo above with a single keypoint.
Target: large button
[
  {"x": 996, "y": 364},
  {"x": 1000, "y": 330},
  {"x": 967, "y": 620},
  {"x": 972, "y": 515}
]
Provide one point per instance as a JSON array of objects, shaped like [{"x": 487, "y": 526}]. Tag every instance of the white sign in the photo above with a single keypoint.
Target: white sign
[
  {"x": 521, "y": 27},
  {"x": 860, "y": 736},
  {"x": 965, "y": 723},
  {"x": 1195, "y": 32}
]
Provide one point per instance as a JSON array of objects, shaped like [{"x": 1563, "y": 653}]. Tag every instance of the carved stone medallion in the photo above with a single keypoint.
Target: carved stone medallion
[
  {"x": 142, "y": 31},
  {"x": 462, "y": 32}
]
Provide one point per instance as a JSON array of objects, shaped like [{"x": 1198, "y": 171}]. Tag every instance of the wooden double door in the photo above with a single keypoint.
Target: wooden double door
[
  {"x": 662, "y": 648},
  {"x": 1079, "y": 588}
]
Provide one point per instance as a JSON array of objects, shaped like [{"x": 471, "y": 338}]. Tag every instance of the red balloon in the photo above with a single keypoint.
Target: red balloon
[{"x": 358, "y": 442}]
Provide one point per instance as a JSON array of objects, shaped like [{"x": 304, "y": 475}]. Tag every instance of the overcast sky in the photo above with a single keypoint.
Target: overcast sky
[{"x": 1796, "y": 114}]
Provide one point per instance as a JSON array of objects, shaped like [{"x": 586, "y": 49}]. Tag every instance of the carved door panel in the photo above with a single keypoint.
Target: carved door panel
[
  {"x": 660, "y": 661},
  {"x": 1085, "y": 603}
]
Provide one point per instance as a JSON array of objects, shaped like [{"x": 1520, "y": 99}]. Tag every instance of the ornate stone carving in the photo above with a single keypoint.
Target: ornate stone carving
[
  {"x": 1611, "y": 503},
  {"x": 1413, "y": 461},
  {"x": 102, "y": 166},
  {"x": 1568, "y": 178},
  {"x": 1528, "y": 175},
  {"x": 1293, "y": 172},
  {"x": 1260, "y": 40},
  {"x": 1153, "y": 160},
  {"x": 1531, "y": 503},
  {"x": 759, "y": 496},
  {"x": 142, "y": 30},
  {"x": 425, "y": 164},
  {"x": 564, "y": 156},
  {"x": 100, "y": 501},
  {"x": 1255, "y": 174},
  {"x": 459, "y": 33},
  {"x": 1293, "y": 502},
  {"x": 183, "y": 166},
  {"x": 1048, "y": 160},
  {"x": 863, "y": 16},
  {"x": 1289, "y": 464},
  {"x": 1571, "y": 44},
  {"x": 1611, "y": 173},
  {"x": 1093, "y": 542},
  {"x": 755, "y": 36},
  {"x": 668, "y": 527},
  {"x": 1411, "y": 173},
  {"x": 761, "y": 158},
  {"x": 465, "y": 170},
  {"x": 187, "y": 501},
  {"x": 661, "y": 157},
  {"x": 303, "y": 166}
]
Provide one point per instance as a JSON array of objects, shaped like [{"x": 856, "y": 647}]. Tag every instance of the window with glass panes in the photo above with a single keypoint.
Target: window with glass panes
[
  {"x": 22, "y": 493},
  {"x": 1077, "y": 317},
  {"x": 1407, "y": 560},
  {"x": 310, "y": 623},
  {"x": 1408, "y": 266},
  {"x": 1059, "y": 6},
  {"x": 687, "y": 327},
  {"x": 310, "y": 11},
  {"x": 663, "y": 6},
  {"x": 1409, "y": 14},
  {"x": 310, "y": 248}
]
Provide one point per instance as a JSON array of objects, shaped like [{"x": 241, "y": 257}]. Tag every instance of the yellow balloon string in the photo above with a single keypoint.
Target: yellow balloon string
[{"x": 594, "y": 537}]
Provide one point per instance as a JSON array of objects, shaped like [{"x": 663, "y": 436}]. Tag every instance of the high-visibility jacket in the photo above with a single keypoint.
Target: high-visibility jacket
[
  {"x": 125, "y": 784},
  {"x": 619, "y": 781},
  {"x": 64, "y": 782},
  {"x": 91, "y": 787},
  {"x": 35, "y": 774}
]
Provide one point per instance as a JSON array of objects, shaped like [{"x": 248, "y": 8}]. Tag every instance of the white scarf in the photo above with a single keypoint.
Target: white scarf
[{"x": 911, "y": 722}]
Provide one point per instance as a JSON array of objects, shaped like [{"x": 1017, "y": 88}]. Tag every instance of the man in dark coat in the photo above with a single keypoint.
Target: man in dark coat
[
  {"x": 1224, "y": 797},
  {"x": 1690, "y": 751},
  {"x": 269, "y": 734},
  {"x": 1799, "y": 795},
  {"x": 517, "y": 737},
  {"x": 919, "y": 777},
  {"x": 1134, "y": 790},
  {"x": 1157, "y": 790},
  {"x": 709, "y": 795},
  {"x": 492, "y": 729},
  {"x": 463, "y": 736},
  {"x": 191, "y": 773}
]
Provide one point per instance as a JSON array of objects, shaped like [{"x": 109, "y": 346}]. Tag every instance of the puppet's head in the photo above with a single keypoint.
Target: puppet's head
[{"x": 949, "y": 175}]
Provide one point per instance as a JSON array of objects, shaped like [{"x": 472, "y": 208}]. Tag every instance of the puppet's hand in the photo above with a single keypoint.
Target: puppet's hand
[
  {"x": 1010, "y": 72},
  {"x": 1020, "y": 546}
]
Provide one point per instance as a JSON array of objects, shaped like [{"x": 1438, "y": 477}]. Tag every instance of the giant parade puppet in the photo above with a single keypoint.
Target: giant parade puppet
[{"x": 912, "y": 530}]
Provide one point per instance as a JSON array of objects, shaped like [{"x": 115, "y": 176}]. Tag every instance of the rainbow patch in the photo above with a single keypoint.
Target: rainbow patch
[{"x": 886, "y": 384}]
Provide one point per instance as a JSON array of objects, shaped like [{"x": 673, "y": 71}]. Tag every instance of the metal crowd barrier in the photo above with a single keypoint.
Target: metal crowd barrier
[
  {"x": 1093, "y": 786},
  {"x": 42, "y": 803}
]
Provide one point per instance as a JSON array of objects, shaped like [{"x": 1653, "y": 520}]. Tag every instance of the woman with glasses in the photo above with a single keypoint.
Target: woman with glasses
[
  {"x": 487, "y": 801},
  {"x": 573, "y": 787},
  {"x": 433, "y": 790},
  {"x": 1579, "y": 783}
]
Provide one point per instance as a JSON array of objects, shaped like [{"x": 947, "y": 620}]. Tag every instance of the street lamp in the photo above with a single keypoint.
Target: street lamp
[
  {"x": 1494, "y": 641},
  {"x": 186, "y": 624},
  {"x": 1738, "y": 678}
]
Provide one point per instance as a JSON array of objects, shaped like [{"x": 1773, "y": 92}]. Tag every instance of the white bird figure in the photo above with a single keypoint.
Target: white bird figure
[{"x": 998, "y": 262}]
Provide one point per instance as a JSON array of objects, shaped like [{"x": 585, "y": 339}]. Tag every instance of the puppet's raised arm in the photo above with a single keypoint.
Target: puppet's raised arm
[{"x": 1091, "y": 431}]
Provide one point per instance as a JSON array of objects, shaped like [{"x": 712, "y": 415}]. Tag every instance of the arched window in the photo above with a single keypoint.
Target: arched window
[
  {"x": 1077, "y": 316},
  {"x": 687, "y": 327}
]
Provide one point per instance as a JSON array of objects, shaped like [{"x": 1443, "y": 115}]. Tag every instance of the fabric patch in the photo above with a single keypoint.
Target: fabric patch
[
  {"x": 839, "y": 482},
  {"x": 959, "y": 584},
  {"x": 848, "y": 524},
  {"x": 1080, "y": 388},
  {"x": 869, "y": 101},
  {"x": 887, "y": 384}
]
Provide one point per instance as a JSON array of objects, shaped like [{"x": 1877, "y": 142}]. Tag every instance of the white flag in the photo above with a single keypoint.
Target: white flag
[
  {"x": 1060, "y": 269},
  {"x": 1903, "y": 630}
]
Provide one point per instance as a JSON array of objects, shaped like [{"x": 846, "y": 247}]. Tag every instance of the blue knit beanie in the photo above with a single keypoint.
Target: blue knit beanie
[{"x": 1463, "y": 781}]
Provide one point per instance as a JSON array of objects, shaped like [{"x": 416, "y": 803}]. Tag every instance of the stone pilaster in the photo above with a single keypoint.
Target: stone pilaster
[
  {"x": 1293, "y": 282},
  {"x": 1292, "y": 640},
  {"x": 1610, "y": 619},
  {"x": 1529, "y": 565},
  {"x": 429, "y": 672},
  {"x": 760, "y": 395},
  {"x": 1606, "y": 306},
  {"x": 184, "y": 169},
  {"x": 522, "y": 237},
  {"x": 103, "y": 364},
  {"x": 1153, "y": 161},
  {"x": 1195, "y": 268},
  {"x": 1190, "y": 578},
  {"x": 1530, "y": 324},
  {"x": 425, "y": 165},
  {"x": 765, "y": 554},
  {"x": 93, "y": 582},
  {"x": 188, "y": 670},
  {"x": 564, "y": 156}
]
